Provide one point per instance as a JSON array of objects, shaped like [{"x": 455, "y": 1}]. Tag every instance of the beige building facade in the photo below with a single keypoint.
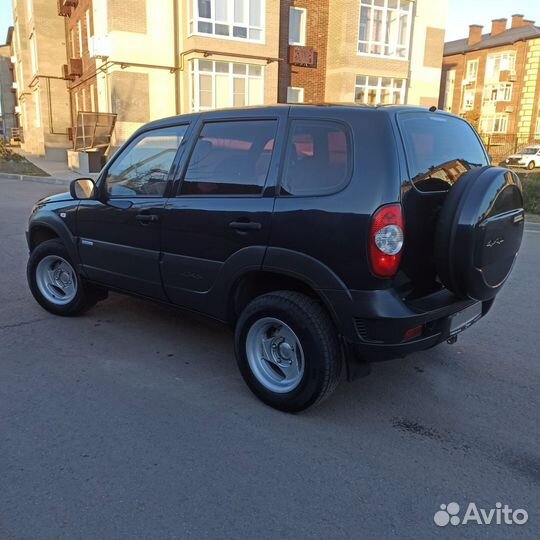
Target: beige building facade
[
  {"x": 145, "y": 59},
  {"x": 43, "y": 102}
]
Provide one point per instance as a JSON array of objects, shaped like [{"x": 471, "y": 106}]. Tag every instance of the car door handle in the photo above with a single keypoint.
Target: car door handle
[
  {"x": 147, "y": 218},
  {"x": 245, "y": 225}
]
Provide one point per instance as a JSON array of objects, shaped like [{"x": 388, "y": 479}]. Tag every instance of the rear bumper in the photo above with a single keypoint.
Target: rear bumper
[{"x": 375, "y": 323}]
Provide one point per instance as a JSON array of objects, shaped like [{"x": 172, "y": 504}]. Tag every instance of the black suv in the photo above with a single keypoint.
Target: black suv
[{"x": 328, "y": 236}]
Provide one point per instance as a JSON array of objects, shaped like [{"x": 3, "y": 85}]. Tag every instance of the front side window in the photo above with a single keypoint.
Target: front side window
[
  {"x": 297, "y": 26},
  {"x": 385, "y": 28},
  {"x": 217, "y": 85},
  {"x": 318, "y": 158},
  {"x": 230, "y": 158},
  {"x": 143, "y": 167},
  {"x": 379, "y": 90},
  {"x": 233, "y": 19}
]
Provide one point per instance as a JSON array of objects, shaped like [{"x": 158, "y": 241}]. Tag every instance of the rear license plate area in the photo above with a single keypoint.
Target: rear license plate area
[{"x": 464, "y": 319}]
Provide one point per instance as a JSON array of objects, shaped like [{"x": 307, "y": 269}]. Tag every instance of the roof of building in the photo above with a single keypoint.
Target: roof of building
[{"x": 508, "y": 37}]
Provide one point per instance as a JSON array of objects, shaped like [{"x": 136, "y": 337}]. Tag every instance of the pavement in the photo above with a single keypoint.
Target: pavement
[{"x": 132, "y": 423}]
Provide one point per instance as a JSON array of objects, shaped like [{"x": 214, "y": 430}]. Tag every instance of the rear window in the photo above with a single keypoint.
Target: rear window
[{"x": 439, "y": 149}]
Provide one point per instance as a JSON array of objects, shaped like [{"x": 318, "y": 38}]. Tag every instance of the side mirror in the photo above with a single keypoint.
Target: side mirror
[{"x": 82, "y": 188}]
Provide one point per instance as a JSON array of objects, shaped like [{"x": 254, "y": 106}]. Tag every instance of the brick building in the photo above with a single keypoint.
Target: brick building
[
  {"x": 366, "y": 51},
  {"x": 123, "y": 64},
  {"x": 493, "y": 79},
  {"x": 8, "y": 101},
  {"x": 38, "y": 48}
]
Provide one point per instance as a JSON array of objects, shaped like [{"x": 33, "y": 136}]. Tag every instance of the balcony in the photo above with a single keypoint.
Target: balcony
[{"x": 75, "y": 67}]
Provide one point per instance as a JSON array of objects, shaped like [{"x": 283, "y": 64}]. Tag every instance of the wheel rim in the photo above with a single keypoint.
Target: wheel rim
[
  {"x": 56, "y": 280},
  {"x": 275, "y": 355}
]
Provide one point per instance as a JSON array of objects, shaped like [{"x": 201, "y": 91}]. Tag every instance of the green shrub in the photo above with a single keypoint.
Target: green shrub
[{"x": 531, "y": 192}]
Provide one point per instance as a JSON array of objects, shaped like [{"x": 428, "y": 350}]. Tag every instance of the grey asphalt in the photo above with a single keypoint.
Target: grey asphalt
[{"x": 132, "y": 422}]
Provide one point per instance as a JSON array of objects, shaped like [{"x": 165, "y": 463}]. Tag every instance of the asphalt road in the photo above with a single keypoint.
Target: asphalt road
[{"x": 132, "y": 422}]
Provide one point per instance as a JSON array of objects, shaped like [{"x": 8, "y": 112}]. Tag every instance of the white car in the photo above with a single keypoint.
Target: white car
[{"x": 529, "y": 157}]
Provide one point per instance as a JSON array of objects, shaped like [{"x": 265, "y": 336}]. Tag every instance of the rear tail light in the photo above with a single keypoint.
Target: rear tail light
[{"x": 386, "y": 240}]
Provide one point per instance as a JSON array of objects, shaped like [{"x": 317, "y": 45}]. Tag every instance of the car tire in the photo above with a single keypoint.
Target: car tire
[
  {"x": 531, "y": 165},
  {"x": 304, "y": 357},
  {"x": 55, "y": 283}
]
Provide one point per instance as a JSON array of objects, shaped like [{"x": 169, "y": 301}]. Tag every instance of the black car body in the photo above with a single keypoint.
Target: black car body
[{"x": 245, "y": 203}]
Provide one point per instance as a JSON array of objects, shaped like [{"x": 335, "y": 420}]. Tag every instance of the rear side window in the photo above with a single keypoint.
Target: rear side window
[
  {"x": 230, "y": 158},
  {"x": 318, "y": 158},
  {"x": 439, "y": 149}
]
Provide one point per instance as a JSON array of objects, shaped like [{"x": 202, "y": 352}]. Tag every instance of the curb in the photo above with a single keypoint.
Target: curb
[{"x": 40, "y": 179}]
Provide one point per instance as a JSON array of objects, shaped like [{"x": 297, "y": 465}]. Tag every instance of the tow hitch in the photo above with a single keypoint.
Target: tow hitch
[{"x": 451, "y": 340}]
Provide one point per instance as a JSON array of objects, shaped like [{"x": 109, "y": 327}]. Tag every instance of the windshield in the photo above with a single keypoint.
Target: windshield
[
  {"x": 530, "y": 150},
  {"x": 439, "y": 148}
]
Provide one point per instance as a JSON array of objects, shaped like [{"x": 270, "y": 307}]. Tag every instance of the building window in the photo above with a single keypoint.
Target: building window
[
  {"x": 230, "y": 158},
  {"x": 497, "y": 92},
  {"x": 496, "y": 123},
  {"x": 468, "y": 100},
  {"x": 37, "y": 106},
  {"x": 88, "y": 31},
  {"x": 379, "y": 90},
  {"x": 537, "y": 132},
  {"x": 33, "y": 54},
  {"x": 297, "y": 26},
  {"x": 385, "y": 28},
  {"x": 229, "y": 19},
  {"x": 449, "y": 88},
  {"x": 295, "y": 95},
  {"x": 73, "y": 43},
  {"x": 472, "y": 71},
  {"x": 80, "y": 35},
  {"x": 496, "y": 63},
  {"x": 216, "y": 85}
]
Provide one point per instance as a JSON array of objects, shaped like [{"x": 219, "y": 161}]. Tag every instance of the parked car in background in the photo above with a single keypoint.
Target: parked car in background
[
  {"x": 529, "y": 158},
  {"x": 327, "y": 236}
]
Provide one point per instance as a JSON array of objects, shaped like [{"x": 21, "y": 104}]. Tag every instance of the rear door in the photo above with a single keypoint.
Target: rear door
[
  {"x": 119, "y": 233},
  {"x": 218, "y": 224}
]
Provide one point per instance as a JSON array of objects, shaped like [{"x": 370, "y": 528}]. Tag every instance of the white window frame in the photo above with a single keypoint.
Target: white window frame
[
  {"x": 469, "y": 98},
  {"x": 508, "y": 57},
  {"x": 537, "y": 132},
  {"x": 449, "y": 89},
  {"x": 377, "y": 85},
  {"x": 491, "y": 120},
  {"x": 33, "y": 54},
  {"x": 88, "y": 32},
  {"x": 503, "y": 93},
  {"x": 472, "y": 70},
  {"x": 300, "y": 91},
  {"x": 303, "y": 23},
  {"x": 80, "y": 32},
  {"x": 193, "y": 19},
  {"x": 195, "y": 72},
  {"x": 404, "y": 8},
  {"x": 37, "y": 108}
]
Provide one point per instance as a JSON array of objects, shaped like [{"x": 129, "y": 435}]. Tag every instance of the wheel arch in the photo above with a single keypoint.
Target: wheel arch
[{"x": 49, "y": 227}]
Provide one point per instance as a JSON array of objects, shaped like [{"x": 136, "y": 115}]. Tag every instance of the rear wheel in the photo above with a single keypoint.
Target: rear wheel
[
  {"x": 287, "y": 350},
  {"x": 531, "y": 165},
  {"x": 54, "y": 282}
]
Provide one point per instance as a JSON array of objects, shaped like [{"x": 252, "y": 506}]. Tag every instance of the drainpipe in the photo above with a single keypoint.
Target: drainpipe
[{"x": 176, "y": 26}]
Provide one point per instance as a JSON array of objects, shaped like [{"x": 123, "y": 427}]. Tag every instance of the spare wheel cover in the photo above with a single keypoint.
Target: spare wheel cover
[{"x": 479, "y": 232}]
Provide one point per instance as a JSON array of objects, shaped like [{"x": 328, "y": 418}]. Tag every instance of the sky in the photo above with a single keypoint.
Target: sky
[{"x": 461, "y": 14}]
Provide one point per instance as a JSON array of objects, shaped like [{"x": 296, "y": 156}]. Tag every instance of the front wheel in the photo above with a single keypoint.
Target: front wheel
[
  {"x": 531, "y": 165},
  {"x": 54, "y": 282},
  {"x": 287, "y": 350}
]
